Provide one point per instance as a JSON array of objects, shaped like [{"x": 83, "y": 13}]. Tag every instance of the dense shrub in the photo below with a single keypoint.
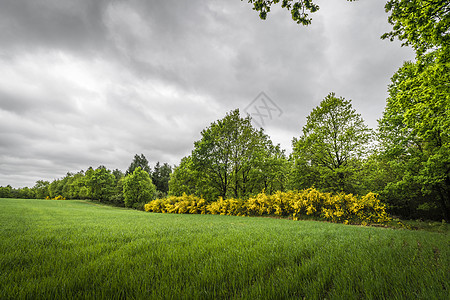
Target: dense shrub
[
  {"x": 230, "y": 207},
  {"x": 339, "y": 208},
  {"x": 59, "y": 197},
  {"x": 138, "y": 188},
  {"x": 178, "y": 205}
]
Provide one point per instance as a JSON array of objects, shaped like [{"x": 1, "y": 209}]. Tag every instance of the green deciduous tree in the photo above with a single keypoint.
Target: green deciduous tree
[
  {"x": 232, "y": 159},
  {"x": 422, "y": 24},
  {"x": 183, "y": 178},
  {"x": 139, "y": 161},
  {"x": 117, "y": 174},
  {"x": 414, "y": 129},
  {"x": 41, "y": 189},
  {"x": 73, "y": 186},
  {"x": 414, "y": 135},
  {"x": 161, "y": 176},
  {"x": 58, "y": 186},
  {"x": 26, "y": 193},
  {"x": 6, "y": 191},
  {"x": 328, "y": 153},
  {"x": 101, "y": 184},
  {"x": 186, "y": 179},
  {"x": 269, "y": 168},
  {"x": 117, "y": 195},
  {"x": 138, "y": 188}
]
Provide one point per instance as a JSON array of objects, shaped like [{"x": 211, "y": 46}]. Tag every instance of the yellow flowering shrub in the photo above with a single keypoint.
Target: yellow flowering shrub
[
  {"x": 282, "y": 203},
  {"x": 230, "y": 207},
  {"x": 347, "y": 208},
  {"x": 260, "y": 205},
  {"x": 186, "y": 204},
  {"x": 157, "y": 205},
  {"x": 372, "y": 210},
  {"x": 306, "y": 202},
  {"x": 199, "y": 207},
  {"x": 339, "y": 208}
]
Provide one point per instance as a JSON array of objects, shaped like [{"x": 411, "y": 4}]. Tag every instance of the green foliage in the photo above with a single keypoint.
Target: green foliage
[
  {"x": 415, "y": 136},
  {"x": 6, "y": 191},
  {"x": 414, "y": 130},
  {"x": 233, "y": 159},
  {"x": 270, "y": 169},
  {"x": 327, "y": 154},
  {"x": 117, "y": 175},
  {"x": 161, "y": 177},
  {"x": 299, "y": 9},
  {"x": 101, "y": 184},
  {"x": 25, "y": 193},
  {"x": 139, "y": 161},
  {"x": 185, "y": 179},
  {"x": 56, "y": 187},
  {"x": 117, "y": 197},
  {"x": 138, "y": 188},
  {"x": 76, "y": 187},
  {"x": 41, "y": 189},
  {"x": 422, "y": 24},
  {"x": 182, "y": 180}
]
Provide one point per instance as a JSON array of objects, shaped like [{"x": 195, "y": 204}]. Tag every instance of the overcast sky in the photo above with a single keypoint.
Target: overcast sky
[{"x": 88, "y": 83}]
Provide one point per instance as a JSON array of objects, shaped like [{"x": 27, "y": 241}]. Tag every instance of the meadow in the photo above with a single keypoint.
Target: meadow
[{"x": 80, "y": 249}]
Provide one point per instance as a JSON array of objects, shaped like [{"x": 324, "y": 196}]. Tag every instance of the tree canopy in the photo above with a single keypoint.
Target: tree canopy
[
  {"x": 101, "y": 183},
  {"x": 232, "y": 159},
  {"x": 414, "y": 128},
  {"x": 160, "y": 177},
  {"x": 299, "y": 9},
  {"x": 226, "y": 152},
  {"x": 138, "y": 188},
  {"x": 422, "y": 24},
  {"x": 139, "y": 161},
  {"x": 415, "y": 135},
  {"x": 333, "y": 141}
]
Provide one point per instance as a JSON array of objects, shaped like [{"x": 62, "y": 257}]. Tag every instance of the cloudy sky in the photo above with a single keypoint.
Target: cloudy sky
[{"x": 88, "y": 83}]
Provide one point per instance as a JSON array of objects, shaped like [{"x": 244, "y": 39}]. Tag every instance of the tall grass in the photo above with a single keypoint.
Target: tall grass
[{"x": 75, "y": 249}]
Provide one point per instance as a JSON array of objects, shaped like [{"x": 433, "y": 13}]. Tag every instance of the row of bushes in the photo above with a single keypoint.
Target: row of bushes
[
  {"x": 59, "y": 197},
  {"x": 339, "y": 208}
]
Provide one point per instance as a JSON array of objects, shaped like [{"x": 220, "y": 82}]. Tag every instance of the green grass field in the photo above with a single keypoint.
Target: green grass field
[{"x": 77, "y": 249}]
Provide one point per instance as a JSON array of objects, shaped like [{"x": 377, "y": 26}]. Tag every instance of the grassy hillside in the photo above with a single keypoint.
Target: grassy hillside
[{"x": 77, "y": 249}]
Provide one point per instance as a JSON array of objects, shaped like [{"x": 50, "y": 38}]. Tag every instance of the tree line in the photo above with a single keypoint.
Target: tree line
[
  {"x": 336, "y": 152},
  {"x": 410, "y": 166},
  {"x": 102, "y": 184},
  {"x": 406, "y": 160}
]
